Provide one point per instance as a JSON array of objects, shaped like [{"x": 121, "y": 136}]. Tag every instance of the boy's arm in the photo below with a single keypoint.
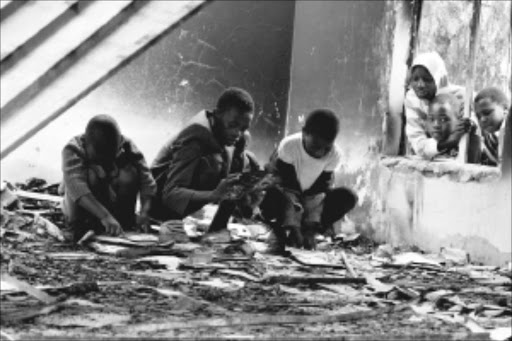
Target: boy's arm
[
  {"x": 421, "y": 144},
  {"x": 474, "y": 148},
  {"x": 284, "y": 172},
  {"x": 287, "y": 175},
  {"x": 321, "y": 184},
  {"x": 77, "y": 189},
  {"x": 147, "y": 183},
  {"x": 177, "y": 194}
]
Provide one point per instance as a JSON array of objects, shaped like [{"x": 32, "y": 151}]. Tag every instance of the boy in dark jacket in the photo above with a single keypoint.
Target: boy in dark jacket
[{"x": 202, "y": 163}]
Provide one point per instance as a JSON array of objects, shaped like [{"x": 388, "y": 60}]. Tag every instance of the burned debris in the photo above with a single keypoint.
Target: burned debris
[{"x": 195, "y": 285}]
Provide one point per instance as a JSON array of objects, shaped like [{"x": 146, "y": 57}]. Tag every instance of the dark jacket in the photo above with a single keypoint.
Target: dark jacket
[{"x": 190, "y": 163}]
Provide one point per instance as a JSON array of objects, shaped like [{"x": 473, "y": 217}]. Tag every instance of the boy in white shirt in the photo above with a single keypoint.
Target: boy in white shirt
[{"x": 304, "y": 202}]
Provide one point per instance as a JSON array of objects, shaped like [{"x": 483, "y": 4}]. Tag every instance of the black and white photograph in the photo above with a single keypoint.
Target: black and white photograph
[{"x": 256, "y": 170}]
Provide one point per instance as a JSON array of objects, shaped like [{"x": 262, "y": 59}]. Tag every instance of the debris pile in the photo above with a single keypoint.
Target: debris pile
[{"x": 183, "y": 282}]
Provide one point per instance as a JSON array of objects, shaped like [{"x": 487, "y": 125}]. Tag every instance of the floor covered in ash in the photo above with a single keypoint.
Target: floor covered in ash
[{"x": 226, "y": 286}]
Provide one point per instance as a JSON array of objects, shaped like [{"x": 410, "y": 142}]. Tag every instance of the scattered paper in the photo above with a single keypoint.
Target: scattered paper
[
  {"x": 413, "y": 258},
  {"x": 170, "y": 262},
  {"x": 92, "y": 320}
]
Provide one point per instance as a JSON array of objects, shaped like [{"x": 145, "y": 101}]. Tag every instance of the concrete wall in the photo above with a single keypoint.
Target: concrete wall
[
  {"x": 229, "y": 43},
  {"x": 341, "y": 60},
  {"x": 445, "y": 204},
  {"x": 445, "y": 28}
]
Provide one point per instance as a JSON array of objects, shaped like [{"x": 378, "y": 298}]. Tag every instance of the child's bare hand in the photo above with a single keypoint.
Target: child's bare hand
[
  {"x": 143, "y": 222},
  {"x": 463, "y": 127},
  {"x": 225, "y": 187},
  {"x": 112, "y": 226}
]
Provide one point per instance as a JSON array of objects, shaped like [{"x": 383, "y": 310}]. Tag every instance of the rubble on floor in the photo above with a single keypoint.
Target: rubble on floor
[{"x": 182, "y": 282}]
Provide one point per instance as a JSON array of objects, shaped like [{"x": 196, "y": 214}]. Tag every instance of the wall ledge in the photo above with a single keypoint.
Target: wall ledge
[{"x": 441, "y": 168}]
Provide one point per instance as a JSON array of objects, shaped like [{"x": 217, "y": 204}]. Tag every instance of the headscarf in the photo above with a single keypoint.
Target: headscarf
[
  {"x": 433, "y": 62},
  {"x": 435, "y": 65}
]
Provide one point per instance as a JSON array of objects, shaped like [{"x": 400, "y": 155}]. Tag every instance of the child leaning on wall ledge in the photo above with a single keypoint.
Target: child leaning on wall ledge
[
  {"x": 428, "y": 76},
  {"x": 445, "y": 122},
  {"x": 491, "y": 106}
]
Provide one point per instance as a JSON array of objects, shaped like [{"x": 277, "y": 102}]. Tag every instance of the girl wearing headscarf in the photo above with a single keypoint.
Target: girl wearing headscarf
[{"x": 428, "y": 76}]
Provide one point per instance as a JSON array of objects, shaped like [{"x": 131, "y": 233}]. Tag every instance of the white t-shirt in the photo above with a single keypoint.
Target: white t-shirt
[{"x": 308, "y": 169}]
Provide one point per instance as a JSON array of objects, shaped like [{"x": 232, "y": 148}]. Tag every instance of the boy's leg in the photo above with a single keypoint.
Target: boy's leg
[
  {"x": 274, "y": 211},
  {"x": 337, "y": 203},
  {"x": 221, "y": 218},
  {"x": 313, "y": 209},
  {"x": 126, "y": 188},
  {"x": 292, "y": 219}
]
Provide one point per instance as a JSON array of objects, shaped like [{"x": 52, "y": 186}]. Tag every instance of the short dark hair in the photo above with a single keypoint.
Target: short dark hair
[
  {"x": 322, "y": 123},
  {"x": 103, "y": 129},
  {"x": 494, "y": 94},
  {"x": 455, "y": 103},
  {"x": 235, "y": 98}
]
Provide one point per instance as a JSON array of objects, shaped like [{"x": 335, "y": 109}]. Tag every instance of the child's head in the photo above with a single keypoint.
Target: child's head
[
  {"x": 319, "y": 132},
  {"x": 491, "y": 105},
  {"x": 428, "y": 75},
  {"x": 445, "y": 111},
  {"x": 103, "y": 139},
  {"x": 233, "y": 115}
]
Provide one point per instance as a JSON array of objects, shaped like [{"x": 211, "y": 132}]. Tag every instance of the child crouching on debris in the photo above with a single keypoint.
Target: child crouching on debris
[
  {"x": 103, "y": 173},
  {"x": 491, "y": 106},
  {"x": 304, "y": 202},
  {"x": 445, "y": 122}
]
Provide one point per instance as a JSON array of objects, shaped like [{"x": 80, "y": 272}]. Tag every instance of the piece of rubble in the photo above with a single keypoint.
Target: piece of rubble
[
  {"x": 195, "y": 228},
  {"x": 16, "y": 267},
  {"x": 266, "y": 320},
  {"x": 130, "y": 239},
  {"x": 221, "y": 237},
  {"x": 169, "y": 262},
  {"x": 349, "y": 267},
  {"x": 71, "y": 255},
  {"x": 286, "y": 279},
  {"x": 29, "y": 227},
  {"x": 90, "y": 320},
  {"x": 239, "y": 231},
  {"x": 384, "y": 251},
  {"x": 29, "y": 313},
  {"x": 455, "y": 256},
  {"x": 49, "y": 227},
  {"x": 29, "y": 289},
  {"x": 239, "y": 274},
  {"x": 413, "y": 258},
  {"x": 241, "y": 247},
  {"x": 377, "y": 286},
  {"x": 177, "y": 231},
  {"x": 8, "y": 199},
  {"x": 315, "y": 258},
  {"x": 200, "y": 257},
  {"x": 436, "y": 295},
  {"x": 38, "y": 196},
  {"x": 225, "y": 284},
  {"x": 5, "y": 336}
]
